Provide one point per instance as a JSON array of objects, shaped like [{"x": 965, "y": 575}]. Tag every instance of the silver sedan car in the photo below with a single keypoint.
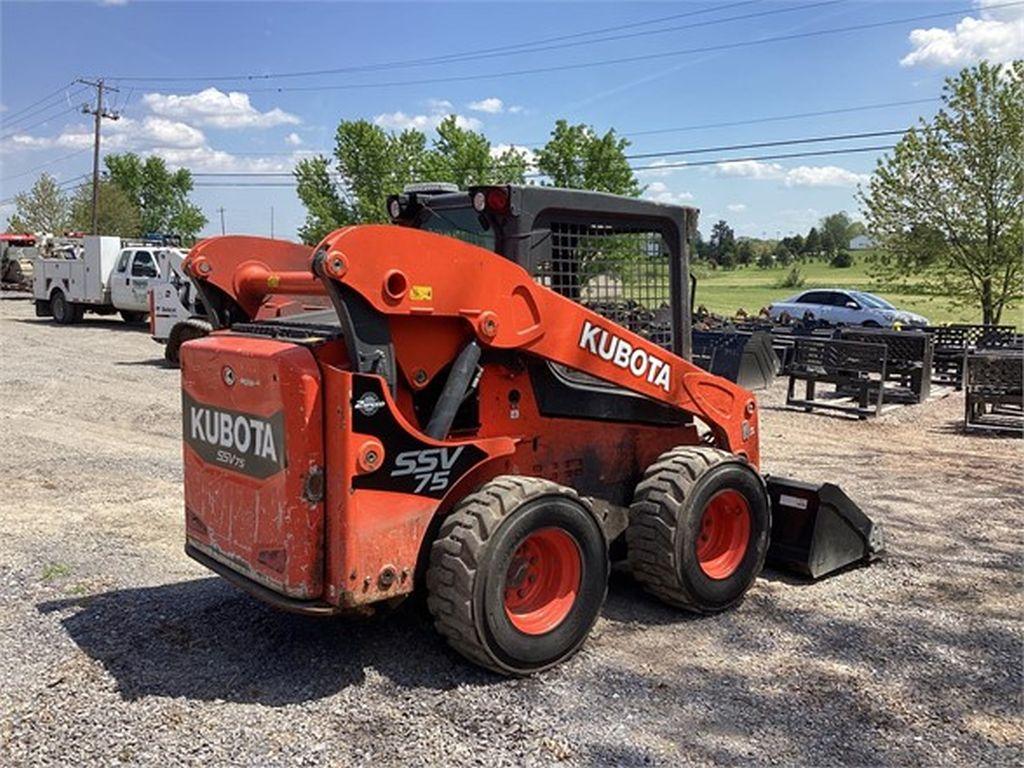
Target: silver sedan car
[{"x": 837, "y": 306}]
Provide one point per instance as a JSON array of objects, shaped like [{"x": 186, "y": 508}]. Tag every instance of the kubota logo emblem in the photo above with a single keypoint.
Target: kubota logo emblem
[
  {"x": 249, "y": 444},
  {"x": 639, "y": 362}
]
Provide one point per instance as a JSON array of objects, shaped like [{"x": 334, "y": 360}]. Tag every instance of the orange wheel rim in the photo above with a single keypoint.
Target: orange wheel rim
[
  {"x": 542, "y": 581},
  {"x": 724, "y": 534}
]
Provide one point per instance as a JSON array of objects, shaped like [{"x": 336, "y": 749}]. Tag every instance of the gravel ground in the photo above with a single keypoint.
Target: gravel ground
[{"x": 116, "y": 648}]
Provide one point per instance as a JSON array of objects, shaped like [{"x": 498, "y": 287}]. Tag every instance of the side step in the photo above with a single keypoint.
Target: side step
[{"x": 818, "y": 529}]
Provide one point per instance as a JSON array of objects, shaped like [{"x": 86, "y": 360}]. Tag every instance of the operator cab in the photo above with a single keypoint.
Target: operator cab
[{"x": 624, "y": 258}]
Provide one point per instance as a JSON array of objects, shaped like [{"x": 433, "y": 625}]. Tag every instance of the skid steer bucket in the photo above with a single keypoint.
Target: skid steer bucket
[
  {"x": 745, "y": 358},
  {"x": 818, "y": 529}
]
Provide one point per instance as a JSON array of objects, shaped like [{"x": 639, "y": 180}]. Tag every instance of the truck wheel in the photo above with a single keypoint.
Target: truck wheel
[
  {"x": 63, "y": 311},
  {"x": 698, "y": 529},
  {"x": 186, "y": 330},
  {"x": 517, "y": 575},
  {"x": 132, "y": 318}
]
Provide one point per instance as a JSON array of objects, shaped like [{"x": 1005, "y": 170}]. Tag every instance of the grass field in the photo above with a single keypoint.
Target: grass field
[{"x": 725, "y": 291}]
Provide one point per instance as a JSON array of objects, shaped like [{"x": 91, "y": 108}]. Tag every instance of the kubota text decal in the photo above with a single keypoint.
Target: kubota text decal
[
  {"x": 252, "y": 445},
  {"x": 606, "y": 345}
]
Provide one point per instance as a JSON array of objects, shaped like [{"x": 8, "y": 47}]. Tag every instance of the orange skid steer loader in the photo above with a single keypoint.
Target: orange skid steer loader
[{"x": 499, "y": 392}]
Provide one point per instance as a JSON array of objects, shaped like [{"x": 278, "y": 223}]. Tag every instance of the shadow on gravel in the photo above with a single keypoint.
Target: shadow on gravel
[
  {"x": 203, "y": 640},
  {"x": 154, "y": 362},
  {"x": 113, "y": 322}
]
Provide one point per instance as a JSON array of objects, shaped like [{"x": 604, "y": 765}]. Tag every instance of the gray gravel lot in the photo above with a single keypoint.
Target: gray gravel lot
[{"x": 116, "y": 648}]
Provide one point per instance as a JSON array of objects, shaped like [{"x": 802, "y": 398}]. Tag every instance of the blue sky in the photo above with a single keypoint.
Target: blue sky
[{"x": 256, "y": 124}]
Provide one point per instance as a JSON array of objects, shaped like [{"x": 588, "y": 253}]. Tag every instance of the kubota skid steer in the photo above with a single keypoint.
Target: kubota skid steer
[{"x": 483, "y": 419}]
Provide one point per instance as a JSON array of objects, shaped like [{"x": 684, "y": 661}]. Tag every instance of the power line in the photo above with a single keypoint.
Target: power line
[
  {"x": 8, "y": 124},
  {"x": 60, "y": 185},
  {"x": 640, "y": 155},
  {"x": 36, "y": 125},
  {"x": 441, "y": 59},
  {"x": 43, "y": 165},
  {"x": 12, "y": 115},
  {"x": 628, "y": 59},
  {"x": 653, "y": 167},
  {"x": 525, "y": 48}
]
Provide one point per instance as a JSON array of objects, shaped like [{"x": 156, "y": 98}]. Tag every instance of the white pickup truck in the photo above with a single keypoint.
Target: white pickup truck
[
  {"x": 176, "y": 313},
  {"x": 102, "y": 276}
]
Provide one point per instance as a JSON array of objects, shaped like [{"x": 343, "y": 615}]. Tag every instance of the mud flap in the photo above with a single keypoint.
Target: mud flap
[{"x": 818, "y": 529}]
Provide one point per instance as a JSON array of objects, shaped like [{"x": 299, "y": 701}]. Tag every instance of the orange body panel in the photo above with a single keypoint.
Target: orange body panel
[
  {"x": 408, "y": 272},
  {"x": 360, "y": 539}
]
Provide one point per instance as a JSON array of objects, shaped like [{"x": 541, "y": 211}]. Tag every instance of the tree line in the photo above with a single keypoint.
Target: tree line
[
  {"x": 945, "y": 208},
  {"x": 137, "y": 196},
  {"x": 371, "y": 163}
]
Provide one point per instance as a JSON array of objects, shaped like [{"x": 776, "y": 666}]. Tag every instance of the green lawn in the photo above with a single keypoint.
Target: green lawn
[{"x": 750, "y": 288}]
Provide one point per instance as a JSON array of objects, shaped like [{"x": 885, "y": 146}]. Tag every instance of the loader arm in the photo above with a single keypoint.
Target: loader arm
[
  {"x": 237, "y": 276},
  {"x": 403, "y": 272}
]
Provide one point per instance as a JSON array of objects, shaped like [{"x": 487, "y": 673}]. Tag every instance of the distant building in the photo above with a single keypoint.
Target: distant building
[{"x": 861, "y": 242}]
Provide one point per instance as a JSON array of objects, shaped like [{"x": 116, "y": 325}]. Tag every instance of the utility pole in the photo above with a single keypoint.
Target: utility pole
[
  {"x": 98, "y": 113},
  {"x": 221, "y": 212}
]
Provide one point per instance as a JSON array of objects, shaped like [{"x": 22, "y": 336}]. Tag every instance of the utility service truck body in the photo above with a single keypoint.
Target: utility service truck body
[{"x": 102, "y": 276}]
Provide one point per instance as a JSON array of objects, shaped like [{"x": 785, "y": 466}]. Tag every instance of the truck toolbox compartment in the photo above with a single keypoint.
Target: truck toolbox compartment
[{"x": 254, "y": 460}]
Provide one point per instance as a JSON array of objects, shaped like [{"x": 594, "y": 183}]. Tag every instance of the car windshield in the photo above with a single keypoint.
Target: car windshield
[{"x": 875, "y": 302}]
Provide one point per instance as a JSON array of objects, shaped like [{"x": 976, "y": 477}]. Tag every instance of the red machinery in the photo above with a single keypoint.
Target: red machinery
[{"x": 459, "y": 422}]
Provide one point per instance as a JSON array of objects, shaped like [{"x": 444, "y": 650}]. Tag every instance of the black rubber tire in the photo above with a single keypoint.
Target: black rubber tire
[
  {"x": 665, "y": 520},
  {"x": 870, "y": 324},
  {"x": 63, "y": 311},
  {"x": 469, "y": 562},
  {"x": 133, "y": 318},
  {"x": 186, "y": 330}
]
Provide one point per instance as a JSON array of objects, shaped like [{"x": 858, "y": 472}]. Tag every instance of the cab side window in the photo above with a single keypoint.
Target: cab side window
[
  {"x": 143, "y": 265},
  {"x": 122, "y": 263}
]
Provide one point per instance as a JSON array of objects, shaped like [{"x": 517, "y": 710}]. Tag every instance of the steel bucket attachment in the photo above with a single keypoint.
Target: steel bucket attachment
[
  {"x": 745, "y": 358},
  {"x": 818, "y": 529}
]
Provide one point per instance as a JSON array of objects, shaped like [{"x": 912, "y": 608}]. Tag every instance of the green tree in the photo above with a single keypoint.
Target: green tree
[
  {"x": 765, "y": 260},
  {"x": 578, "y": 158},
  {"x": 745, "y": 252},
  {"x": 373, "y": 163},
  {"x": 118, "y": 213},
  {"x": 161, "y": 195},
  {"x": 325, "y": 209},
  {"x": 464, "y": 157},
  {"x": 722, "y": 245},
  {"x": 783, "y": 255},
  {"x": 44, "y": 208},
  {"x": 836, "y": 227},
  {"x": 812, "y": 244},
  {"x": 957, "y": 182},
  {"x": 841, "y": 259}
]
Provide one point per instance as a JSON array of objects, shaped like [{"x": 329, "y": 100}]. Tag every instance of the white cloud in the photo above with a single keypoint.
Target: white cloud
[
  {"x": 996, "y": 35},
  {"x": 801, "y": 176},
  {"x": 515, "y": 109},
  {"x": 440, "y": 105},
  {"x": 217, "y": 109},
  {"x": 206, "y": 158},
  {"x": 751, "y": 169},
  {"x": 119, "y": 135},
  {"x": 823, "y": 176},
  {"x": 400, "y": 121},
  {"x": 491, "y": 105},
  {"x": 737, "y": 207},
  {"x": 659, "y": 192},
  {"x": 655, "y": 170},
  {"x": 528, "y": 154},
  {"x": 294, "y": 139}
]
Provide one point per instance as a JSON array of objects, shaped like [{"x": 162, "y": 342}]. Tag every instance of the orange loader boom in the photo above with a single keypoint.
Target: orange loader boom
[{"x": 407, "y": 272}]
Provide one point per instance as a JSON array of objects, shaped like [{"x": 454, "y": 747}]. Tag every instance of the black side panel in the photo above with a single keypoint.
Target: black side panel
[
  {"x": 410, "y": 465},
  {"x": 558, "y": 398}
]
